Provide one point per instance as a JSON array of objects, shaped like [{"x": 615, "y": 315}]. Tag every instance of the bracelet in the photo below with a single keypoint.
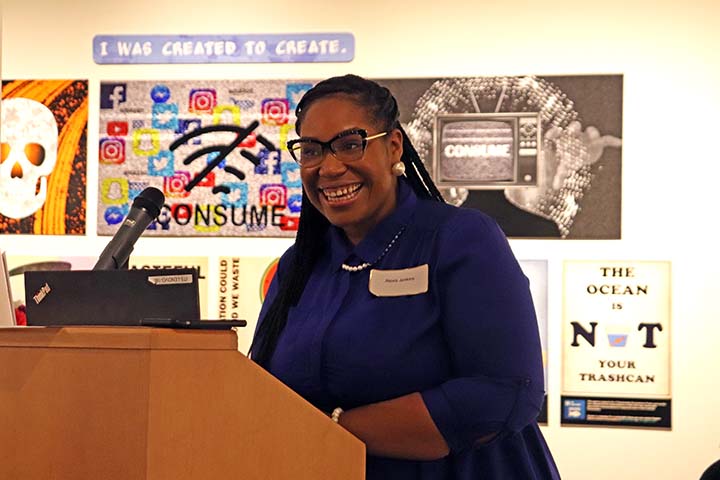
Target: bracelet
[{"x": 336, "y": 414}]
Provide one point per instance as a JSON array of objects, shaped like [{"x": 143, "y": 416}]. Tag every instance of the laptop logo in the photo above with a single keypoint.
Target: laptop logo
[
  {"x": 170, "y": 279},
  {"x": 41, "y": 294}
]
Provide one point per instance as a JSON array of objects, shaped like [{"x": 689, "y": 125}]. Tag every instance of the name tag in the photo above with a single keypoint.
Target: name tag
[{"x": 394, "y": 283}]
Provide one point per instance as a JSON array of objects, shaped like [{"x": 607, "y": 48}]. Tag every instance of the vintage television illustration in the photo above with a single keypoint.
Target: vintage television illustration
[
  {"x": 487, "y": 150},
  {"x": 541, "y": 155}
]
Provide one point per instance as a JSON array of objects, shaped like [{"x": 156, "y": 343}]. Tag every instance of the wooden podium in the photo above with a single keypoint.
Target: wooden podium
[{"x": 128, "y": 403}]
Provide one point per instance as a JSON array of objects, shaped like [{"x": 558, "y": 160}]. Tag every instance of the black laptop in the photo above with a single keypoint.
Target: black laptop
[{"x": 161, "y": 297}]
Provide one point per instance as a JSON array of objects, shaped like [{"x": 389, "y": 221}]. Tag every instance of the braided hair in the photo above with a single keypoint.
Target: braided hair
[{"x": 383, "y": 108}]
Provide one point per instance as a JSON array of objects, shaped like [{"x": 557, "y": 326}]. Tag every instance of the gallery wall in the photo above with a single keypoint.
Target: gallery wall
[{"x": 666, "y": 54}]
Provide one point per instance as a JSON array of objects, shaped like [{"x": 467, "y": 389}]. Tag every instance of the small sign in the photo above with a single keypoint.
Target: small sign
[
  {"x": 170, "y": 279},
  {"x": 396, "y": 283},
  {"x": 257, "y": 48}
]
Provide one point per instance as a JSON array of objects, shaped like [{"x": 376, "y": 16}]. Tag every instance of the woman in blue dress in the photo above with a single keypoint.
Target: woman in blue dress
[{"x": 408, "y": 319}]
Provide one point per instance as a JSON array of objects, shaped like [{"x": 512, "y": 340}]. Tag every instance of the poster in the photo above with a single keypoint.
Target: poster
[
  {"x": 215, "y": 148},
  {"x": 44, "y": 157},
  {"x": 616, "y": 343},
  {"x": 542, "y": 155},
  {"x": 242, "y": 284}
]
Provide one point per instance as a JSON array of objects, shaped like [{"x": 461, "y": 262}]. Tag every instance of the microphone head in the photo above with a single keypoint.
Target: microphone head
[{"x": 151, "y": 199}]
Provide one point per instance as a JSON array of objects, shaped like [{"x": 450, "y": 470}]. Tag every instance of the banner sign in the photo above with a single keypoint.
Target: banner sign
[
  {"x": 616, "y": 343},
  {"x": 44, "y": 157},
  {"x": 256, "y": 48}
]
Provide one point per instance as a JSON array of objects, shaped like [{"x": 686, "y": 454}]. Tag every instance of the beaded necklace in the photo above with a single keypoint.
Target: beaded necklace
[{"x": 363, "y": 266}]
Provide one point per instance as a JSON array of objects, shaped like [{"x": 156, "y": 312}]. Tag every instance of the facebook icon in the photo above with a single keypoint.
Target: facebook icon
[{"x": 112, "y": 94}]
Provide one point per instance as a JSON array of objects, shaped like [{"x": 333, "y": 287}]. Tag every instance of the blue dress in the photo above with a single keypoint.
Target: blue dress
[{"x": 469, "y": 345}]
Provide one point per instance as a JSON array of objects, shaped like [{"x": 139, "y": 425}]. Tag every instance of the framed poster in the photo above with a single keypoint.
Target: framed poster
[
  {"x": 616, "y": 343},
  {"x": 540, "y": 154},
  {"x": 44, "y": 157}
]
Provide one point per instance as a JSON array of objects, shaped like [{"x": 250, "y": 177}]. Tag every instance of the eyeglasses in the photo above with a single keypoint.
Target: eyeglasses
[{"x": 347, "y": 146}]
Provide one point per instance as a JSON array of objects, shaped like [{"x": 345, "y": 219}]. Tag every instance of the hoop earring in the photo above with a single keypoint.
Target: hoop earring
[{"x": 398, "y": 169}]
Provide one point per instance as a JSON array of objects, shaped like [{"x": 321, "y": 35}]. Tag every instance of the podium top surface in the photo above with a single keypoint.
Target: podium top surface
[{"x": 129, "y": 338}]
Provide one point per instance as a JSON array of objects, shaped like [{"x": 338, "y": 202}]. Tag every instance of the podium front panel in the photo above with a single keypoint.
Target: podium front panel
[{"x": 139, "y": 403}]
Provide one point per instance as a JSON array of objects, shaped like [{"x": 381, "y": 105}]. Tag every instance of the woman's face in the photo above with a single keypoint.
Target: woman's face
[{"x": 357, "y": 195}]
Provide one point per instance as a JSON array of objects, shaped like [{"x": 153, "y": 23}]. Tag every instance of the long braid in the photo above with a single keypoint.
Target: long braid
[
  {"x": 313, "y": 227},
  {"x": 420, "y": 180},
  {"x": 417, "y": 175},
  {"x": 308, "y": 248}
]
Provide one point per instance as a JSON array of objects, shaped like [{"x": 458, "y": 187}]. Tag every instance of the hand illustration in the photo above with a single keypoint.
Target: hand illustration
[{"x": 564, "y": 152}]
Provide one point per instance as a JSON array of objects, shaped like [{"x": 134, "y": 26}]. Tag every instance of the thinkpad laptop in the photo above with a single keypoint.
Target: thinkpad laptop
[{"x": 164, "y": 297}]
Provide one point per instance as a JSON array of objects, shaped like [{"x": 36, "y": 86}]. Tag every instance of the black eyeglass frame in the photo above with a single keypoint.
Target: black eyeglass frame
[{"x": 328, "y": 145}]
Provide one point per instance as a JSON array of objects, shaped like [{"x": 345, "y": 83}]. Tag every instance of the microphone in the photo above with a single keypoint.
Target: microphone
[{"x": 145, "y": 208}]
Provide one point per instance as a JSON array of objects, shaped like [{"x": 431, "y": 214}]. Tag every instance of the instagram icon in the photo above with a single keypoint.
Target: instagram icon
[
  {"x": 174, "y": 186},
  {"x": 112, "y": 151},
  {"x": 273, "y": 195},
  {"x": 275, "y": 111},
  {"x": 202, "y": 100}
]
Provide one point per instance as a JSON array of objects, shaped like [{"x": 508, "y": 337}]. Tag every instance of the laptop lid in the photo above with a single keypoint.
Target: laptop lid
[{"x": 111, "y": 297}]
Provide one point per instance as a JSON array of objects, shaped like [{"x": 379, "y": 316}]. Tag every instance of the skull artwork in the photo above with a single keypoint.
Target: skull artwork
[{"x": 29, "y": 153}]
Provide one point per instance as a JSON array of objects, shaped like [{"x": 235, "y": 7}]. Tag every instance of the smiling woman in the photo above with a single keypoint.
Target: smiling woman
[
  {"x": 407, "y": 320},
  {"x": 353, "y": 187}
]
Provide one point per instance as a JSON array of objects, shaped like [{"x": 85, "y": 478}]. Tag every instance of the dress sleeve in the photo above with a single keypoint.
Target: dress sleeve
[{"x": 489, "y": 323}]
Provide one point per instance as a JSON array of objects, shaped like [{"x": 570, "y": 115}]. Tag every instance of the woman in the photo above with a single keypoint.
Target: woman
[{"x": 408, "y": 319}]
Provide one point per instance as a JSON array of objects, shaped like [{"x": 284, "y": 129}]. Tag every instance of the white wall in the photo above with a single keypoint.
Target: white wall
[{"x": 671, "y": 162}]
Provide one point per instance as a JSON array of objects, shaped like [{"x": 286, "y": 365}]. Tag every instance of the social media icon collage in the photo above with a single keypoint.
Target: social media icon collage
[{"x": 216, "y": 149}]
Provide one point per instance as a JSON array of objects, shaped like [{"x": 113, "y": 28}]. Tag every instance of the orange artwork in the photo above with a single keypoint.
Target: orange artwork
[{"x": 43, "y": 168}]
